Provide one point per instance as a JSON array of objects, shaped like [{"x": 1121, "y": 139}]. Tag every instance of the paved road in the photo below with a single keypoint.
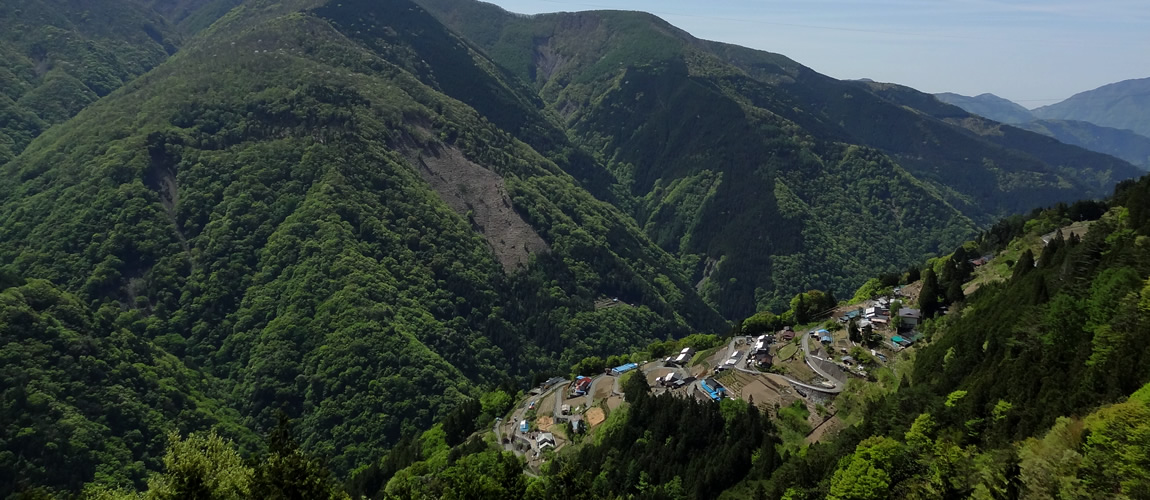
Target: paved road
[
  {"x": 594, "y": 383},
  {"x": 559, "y": 392},
  {"x": 807, "y": 358},
  {"x": 835, "y": 390}
]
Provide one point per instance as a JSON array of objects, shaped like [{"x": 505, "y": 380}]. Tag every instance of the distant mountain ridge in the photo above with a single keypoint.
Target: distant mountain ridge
[
  {"x": 990, "y": 106},
  {"x": 1118, "y": 142},
  {"x": 1123, "y": 105}
]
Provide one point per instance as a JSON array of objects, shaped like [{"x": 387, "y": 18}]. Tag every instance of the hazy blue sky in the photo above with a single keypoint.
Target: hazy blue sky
[{"x": 1032, "y": 51}]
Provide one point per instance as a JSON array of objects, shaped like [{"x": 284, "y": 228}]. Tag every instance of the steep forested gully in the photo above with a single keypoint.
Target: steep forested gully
[{"x": 321, "y": 249}]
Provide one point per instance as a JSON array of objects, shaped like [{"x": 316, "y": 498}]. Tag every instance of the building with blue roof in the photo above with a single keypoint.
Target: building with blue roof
[
  {"x": 619, "y": 370},
  {"x": 715, "y": 393}
]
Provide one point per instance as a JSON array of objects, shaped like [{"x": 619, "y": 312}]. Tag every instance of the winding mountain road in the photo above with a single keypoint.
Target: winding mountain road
[
  {"x": 822, "y": 373},
  {"x": 838, "y": 387}
]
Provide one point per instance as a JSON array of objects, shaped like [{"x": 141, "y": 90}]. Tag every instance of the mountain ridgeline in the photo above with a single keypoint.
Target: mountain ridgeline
[
  {"x": 363, "y": 214},
  {"x": 763, "y": 176},
  {"x": 1085, "y": 126},
  {"x": 1123, "y": 105},
  {"x": 989, "y": 106}
]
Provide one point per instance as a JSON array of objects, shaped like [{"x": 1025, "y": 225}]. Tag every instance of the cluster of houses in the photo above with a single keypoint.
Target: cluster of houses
[
  {"x": 760, "y": 352},
  {"x": 681, "y": 359},
  {"x": 672, "y": 380},
  {"x": 879, "y": 314}
]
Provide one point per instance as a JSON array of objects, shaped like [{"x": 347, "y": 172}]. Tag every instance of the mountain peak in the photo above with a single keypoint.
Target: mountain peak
[{"x": 989, "y": 105}]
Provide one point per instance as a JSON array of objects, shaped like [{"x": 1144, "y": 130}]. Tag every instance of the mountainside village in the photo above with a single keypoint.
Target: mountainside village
[{"x": 802, "y": 368}]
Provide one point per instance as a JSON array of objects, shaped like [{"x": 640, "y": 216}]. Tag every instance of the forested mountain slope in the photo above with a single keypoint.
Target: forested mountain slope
[
  {"x": 343, "y": 211},
  {"x": 299, "y": 212},
  {"x": 1119, "y": 143},
  {"x": 765, "y": 177},
  {"x": 86, "y": 396},
  {"x": 58, "y": 56},
  {"x": 1033, "y": 387}
]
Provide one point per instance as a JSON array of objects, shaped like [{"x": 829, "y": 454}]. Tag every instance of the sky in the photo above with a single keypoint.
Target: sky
[{"x": 1033, "y": 52}]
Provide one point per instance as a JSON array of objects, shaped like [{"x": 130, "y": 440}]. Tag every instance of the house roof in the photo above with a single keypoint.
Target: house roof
[
  {"x": 545, "y": 438},
  {"x": 625, "y": 368},
  {"x": 826, "y": 338}
]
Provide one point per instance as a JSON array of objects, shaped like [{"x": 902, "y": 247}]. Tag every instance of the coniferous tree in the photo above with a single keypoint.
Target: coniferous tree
[
  {"x": 928, "y": 297},
  {"x": 287, "y": 473},
  {"x": 1024, "y": 265},
  {"x": 954, "y": 293}
]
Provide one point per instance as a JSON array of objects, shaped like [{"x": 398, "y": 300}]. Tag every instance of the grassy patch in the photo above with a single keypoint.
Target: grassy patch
[
  {"x": 854, "y": 398},
  {"x": 793, "y": 426},
  {"x": 701, "y": 356},
  {"x": 788, "y": 351}
]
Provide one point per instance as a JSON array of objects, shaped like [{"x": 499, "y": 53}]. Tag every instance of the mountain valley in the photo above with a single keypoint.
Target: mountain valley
[{"x": 327, "y": 245}]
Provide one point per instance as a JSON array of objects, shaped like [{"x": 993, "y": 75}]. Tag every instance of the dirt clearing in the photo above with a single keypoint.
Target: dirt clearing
[
  {"x": 827, "y": 428},
  {"x": 603, "y": 387},
  {"x": 479, "y": 194},
  {"x": 595, "y": 416},
  {"x": 656, "y": 373},
  {"x": 546, "y": 405},
  {"x": 544, "y": 423},
  {"x": 613, "y": 402},
  {"x": 763, "y": 395}
]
